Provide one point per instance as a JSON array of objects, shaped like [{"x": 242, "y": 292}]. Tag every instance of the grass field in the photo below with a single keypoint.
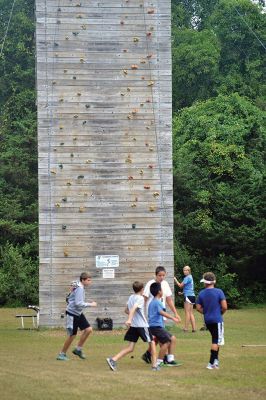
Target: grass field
[{"x": 29, "y": 369}]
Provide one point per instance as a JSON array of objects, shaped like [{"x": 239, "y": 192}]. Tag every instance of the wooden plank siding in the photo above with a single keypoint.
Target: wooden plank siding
[{"x": 105, "y": 148}]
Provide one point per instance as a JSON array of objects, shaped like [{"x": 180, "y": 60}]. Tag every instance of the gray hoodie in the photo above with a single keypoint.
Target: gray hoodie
[{"x": 76, "y": 301}]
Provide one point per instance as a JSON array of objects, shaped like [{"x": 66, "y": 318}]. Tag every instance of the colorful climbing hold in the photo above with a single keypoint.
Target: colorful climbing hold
[
  {"x": 147, "y": 187},
  {"x": 134, "y": 66}
]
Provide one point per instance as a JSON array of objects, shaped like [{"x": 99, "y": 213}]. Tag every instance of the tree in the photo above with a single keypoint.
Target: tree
[{"x": 219, "y": 185}]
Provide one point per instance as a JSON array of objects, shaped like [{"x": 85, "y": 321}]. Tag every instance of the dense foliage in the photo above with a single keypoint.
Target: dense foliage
[
  {"x": 219, "y": 138},
  {"x": 219, "y": 147}
]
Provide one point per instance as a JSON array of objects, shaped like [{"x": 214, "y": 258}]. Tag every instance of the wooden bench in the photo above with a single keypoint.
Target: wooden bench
[{"x": 35, "y": 317}]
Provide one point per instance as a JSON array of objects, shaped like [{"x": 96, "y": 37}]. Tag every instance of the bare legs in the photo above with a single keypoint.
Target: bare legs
[
  {"x": 189, "y": 316},
  {"x": 85, "y": 334}
]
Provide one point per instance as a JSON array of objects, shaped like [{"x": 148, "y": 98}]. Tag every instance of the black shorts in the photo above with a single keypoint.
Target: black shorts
[
  {"x": 161, "y": 334},
  {"x": 73, "y": 322},
  {"x": 217, "y": 332},
  {"x": 190, "y": 299},
  {"x": 133, "y": 334}
]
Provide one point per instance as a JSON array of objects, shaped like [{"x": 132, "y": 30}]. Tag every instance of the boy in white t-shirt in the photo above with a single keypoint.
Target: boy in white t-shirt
[
  {"x": 137, "y": 328},
  {"x": 166, "y": 299}
]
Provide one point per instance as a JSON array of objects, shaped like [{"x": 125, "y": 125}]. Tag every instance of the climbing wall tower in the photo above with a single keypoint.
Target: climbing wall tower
[{"x": 105, "y": 155}]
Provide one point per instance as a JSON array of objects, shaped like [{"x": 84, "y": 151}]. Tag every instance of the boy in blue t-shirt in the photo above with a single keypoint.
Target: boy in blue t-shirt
[
  {"x": 212, "y": 304},
  {"x": 156, "y": 323}
]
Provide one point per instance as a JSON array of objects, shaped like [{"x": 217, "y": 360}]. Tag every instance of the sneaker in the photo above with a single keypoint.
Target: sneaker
[
  {"x": 62, "y": 357},
  {"x": 173, "y": 363},
  {"x": 111, "y": 363},
  {"x": 211, "y": 366},
  {"x": 79, "y": 353},
  {"x": 216, "y": 363},
  {"x": 157, "y": 368},
  {"x": 146, "y": 357}
]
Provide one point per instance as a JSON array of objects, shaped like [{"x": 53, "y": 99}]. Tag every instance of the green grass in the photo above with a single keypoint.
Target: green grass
[{"x": 29, "y": 370}]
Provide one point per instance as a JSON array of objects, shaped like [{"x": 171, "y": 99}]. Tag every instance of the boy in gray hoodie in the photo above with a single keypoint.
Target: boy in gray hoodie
[{"x": 76, "y": 319}]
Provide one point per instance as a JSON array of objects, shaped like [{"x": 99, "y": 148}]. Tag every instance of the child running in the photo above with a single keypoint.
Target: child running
[
  {"x": 212, "y": 304},
  {"x": 156, "y": 316},
  {"x": 76, "y": 319},
  {"x": 138, "y": 328}
]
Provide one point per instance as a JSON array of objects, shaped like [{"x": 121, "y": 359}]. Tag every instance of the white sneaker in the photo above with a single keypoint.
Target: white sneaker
[
  {"x": 210, "y": 366},
  {"x": 216, "y": 363}
]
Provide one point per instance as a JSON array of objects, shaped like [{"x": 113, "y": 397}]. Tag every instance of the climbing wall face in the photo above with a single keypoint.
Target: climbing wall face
[{"x": 105, "y": 156}]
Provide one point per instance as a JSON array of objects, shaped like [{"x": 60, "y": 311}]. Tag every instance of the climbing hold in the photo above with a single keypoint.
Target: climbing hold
[
  {"x": 67, "y": 37},
  {"x": 148, "y": 101},
  {"x": 78, "y": 5},
  {"x": 133, "y": 205},
  {"x": 58, "y": 21},
  {"x": 125, "y": 50},
  {"x": 74, "y": 138},
  {"x": 147, "y": 144},
  {"x": 65, "y": 71},
  {"x": 128, "y": 159},
  {"x": 122, "y": 22},
  {"x": 87, "y": 105},
  {"x": 83, "y": 27},
  {"x": 64, "y": 199},
  {"x": 149, "y": 56},
  {"x": 141, "y": 104},
  {"x": 143, "y": 77},
  {"x": 143, "y": 62},
  {"x": 134, "y": 139},
  {"x": 147, "y": 187},
  {"x": 75, "y": 33},
  {"x": 151, "y": 11},
  {"x": 64, "y": 227},
  {"x": 80, "y": 176},
  {"x": 75, "y": 116},
  {"x": 61, "y": 127},
  {"x": 57, "y": 205},
  {"x": 136, "y": 199},
  {"x": 81, "y": 209},
  {"x": 134, "y": 66},
  {"x": 60, "y": 166},
  {"x": 54, "y": 82},
  {"x": 61, "y": 99},
  {"x": 130, "y": 178},
  {"x": 150, "y": 166},
  {"x": 88, "y": 161},
  {"x": 78, "y": 94},
  {"x": 129, "y": 116},
  {"x": 151, "y": 149},
  {"x": 152, "y": 208},
  {"x": 53, "y": 171},
  {"x": 125, "y": 71},
  {"x": 134, "y": 111},
  {"x": 56, "y": 44},
  {"x": 69, "y": 183},
  {"x": 128, "y": 89},
  {"x": 147, "y": 127},
  {"x": 122, "y": 94},
  {"x": 148, "y": 34},
  {"x": 150, "y": 83},
  {"x": 152, "y": 28},
  {"x": 141, "y": 172},
  {"x": 62, "y": 144},
  {"x": 135, "y": 39},
  {"x": 66, "y": 254},
  {"x": 81, "y": 60},
  {"x": 59, "y": 9},
  {"x": 71, "y": 155},
  {"x": 56, "y": 54},
  {"x": 74, "y": 77},
  {"x": 133, "y": 226},
  {"x": 79, "y": 16},
  {"x": 156, "y": 194},
  {"x": 84, "y": 122}
]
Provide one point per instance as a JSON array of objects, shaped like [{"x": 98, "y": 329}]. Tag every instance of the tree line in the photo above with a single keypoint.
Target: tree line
[{"x": 218, "y": 58}]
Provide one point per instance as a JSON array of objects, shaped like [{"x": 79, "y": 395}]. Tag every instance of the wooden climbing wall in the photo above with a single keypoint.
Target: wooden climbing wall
[{"x": 105, "y": 151}]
